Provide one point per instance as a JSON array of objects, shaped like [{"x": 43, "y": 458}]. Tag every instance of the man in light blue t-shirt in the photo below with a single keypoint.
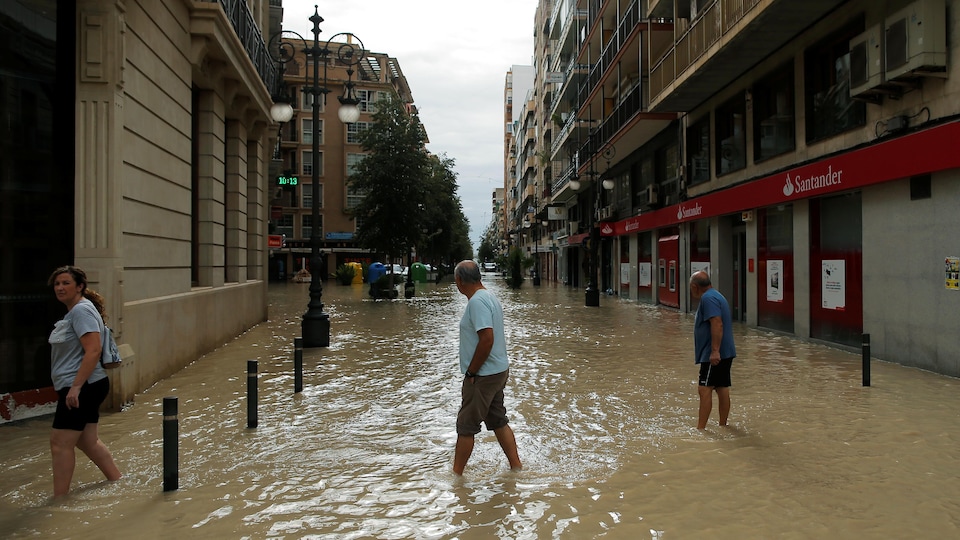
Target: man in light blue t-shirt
[
  {"x": 714, "y": 347},
  {"x": 484, "y": 364}
]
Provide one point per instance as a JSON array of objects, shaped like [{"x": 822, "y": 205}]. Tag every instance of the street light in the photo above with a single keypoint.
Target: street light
[
  {"x": 315, "y": 328},
  {"x": 592, "y": 292}
]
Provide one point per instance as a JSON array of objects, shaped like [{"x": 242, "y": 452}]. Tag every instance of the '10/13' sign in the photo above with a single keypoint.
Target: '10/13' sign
[{"x": 287, "y": 180}]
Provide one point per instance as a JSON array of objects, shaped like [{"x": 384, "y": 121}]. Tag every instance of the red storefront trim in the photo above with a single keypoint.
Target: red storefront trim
[
  {"x": 927, "y": 151},
  {"x": 17, "y": 405}
]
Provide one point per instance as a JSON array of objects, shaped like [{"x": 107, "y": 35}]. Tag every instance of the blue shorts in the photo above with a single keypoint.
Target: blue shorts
[
  {"x": 92, "y": 396},
  {"x": 716, "y": 376}
]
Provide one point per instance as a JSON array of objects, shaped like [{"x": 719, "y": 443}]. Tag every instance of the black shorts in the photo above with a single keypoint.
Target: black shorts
[
  {"x": 91, "y": 397},
  {"x": 716, "y": 376}
]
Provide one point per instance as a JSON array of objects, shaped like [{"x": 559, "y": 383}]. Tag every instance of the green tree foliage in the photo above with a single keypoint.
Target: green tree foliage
[
  {"x": 393, "y": 177},
  {"x": 410, "y": 196},
  {"x": 489, "y": 245},
  {"x": 446, "y": 230},
  {"x": 517, "y": 264}
]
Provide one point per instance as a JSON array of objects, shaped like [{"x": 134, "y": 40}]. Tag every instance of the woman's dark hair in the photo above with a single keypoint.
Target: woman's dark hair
[{"x": 80, "y": 277}]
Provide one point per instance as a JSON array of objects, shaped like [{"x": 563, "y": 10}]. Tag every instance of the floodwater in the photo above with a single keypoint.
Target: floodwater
[{"x": 602, "y": 400}]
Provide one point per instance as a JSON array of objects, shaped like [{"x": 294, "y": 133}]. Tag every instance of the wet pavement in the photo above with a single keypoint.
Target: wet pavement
[{"x": 603, "y": 403}]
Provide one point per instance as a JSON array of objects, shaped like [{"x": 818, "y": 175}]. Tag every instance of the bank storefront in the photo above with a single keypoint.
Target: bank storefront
[{"x": 819, "y": 250}]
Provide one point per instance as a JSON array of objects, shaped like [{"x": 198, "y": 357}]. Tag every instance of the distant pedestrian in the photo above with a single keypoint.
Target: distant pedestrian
[
  {"x": 715, "y": 350},
  {"x": 485, "y": 366},
  {"x": 80, "y": 380}
]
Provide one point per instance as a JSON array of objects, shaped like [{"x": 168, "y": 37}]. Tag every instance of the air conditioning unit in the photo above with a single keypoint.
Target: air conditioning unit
[
  {"x": 653, "y": 195},
  {"x": 572, "y": 227},
  {"x": 866, "y": 61},
  {"x": 915, "y": 41}
]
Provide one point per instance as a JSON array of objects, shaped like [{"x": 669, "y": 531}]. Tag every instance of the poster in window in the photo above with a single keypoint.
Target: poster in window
[
  {"x": 774, "y": 281},
  {"x": 625, "y": 273},
  {"x": 644, "y": 271},
  {"x": 697, "y": 266},
  {"x": 833, "y": 283},
  {"x": 952, "y": 273}
]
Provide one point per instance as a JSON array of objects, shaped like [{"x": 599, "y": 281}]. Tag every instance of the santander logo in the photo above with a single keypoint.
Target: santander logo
[
  {"x": 689, "y": 212},
  {"x": 606, "y": 229},
  {"x": 788, "y": 187},
  {"x": 799, "y": 185}
]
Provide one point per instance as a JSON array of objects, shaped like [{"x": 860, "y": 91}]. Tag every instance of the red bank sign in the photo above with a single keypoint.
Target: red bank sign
[{"x": 927, "y": 151}]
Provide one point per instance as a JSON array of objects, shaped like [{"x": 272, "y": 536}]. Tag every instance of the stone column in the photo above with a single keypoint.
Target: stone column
[
  {"x": 98, "y": 224},
  {"x": 210, "y": 188},
  {"x": 257, "y": 182},
  {"x": 235, "y": 206}
]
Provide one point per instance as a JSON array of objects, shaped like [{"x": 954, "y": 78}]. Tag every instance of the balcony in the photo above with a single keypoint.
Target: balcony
[{"x": 725, "y": 39}]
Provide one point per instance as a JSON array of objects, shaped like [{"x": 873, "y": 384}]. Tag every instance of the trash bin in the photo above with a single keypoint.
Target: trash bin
[
  {"x": 419, "y": 272},
  {"x": 375, "y": 271},
  {"x": 357, "y": 272}
]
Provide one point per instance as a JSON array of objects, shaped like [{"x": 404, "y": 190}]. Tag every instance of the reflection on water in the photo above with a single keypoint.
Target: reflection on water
[{"x": 603, "y": 403}]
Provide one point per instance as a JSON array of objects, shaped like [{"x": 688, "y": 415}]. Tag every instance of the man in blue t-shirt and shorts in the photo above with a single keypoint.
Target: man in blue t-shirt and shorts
[
  {"x": 713, "y": 343},
  {"x": 485, "y": 368}
]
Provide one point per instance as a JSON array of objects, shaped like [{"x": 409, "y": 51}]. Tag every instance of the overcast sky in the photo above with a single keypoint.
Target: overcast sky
[{"x": 455, "y": 55}]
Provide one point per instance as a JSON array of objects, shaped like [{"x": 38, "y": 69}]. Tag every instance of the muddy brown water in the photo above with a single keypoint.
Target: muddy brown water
[{"x": 603, "y": 402}]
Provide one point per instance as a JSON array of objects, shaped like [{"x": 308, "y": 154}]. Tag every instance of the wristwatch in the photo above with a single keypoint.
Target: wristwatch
[{"x": 470, "y": 375}]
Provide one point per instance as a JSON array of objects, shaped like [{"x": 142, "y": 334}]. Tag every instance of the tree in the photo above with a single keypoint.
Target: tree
[
  {"x": 393, "y": 179},
  {"x": 489, "y": 244},
  {"x": 446, "y": 230}
]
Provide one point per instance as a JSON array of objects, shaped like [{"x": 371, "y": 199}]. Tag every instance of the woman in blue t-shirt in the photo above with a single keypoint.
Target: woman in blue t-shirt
[{"x": 79, "y": 379}]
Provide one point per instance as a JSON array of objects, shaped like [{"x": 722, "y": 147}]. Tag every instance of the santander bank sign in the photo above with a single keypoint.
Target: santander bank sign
[{"x": 799, "y": 185}]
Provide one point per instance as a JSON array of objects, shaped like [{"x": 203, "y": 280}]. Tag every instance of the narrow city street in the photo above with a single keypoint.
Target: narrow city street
[{"x": 603, "y": 402}]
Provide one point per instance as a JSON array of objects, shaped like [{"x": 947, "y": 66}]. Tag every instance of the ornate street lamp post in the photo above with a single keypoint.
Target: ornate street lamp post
[{"x": 315, "y": 327}]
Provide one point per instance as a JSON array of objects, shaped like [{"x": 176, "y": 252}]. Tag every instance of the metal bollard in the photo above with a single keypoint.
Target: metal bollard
[
  {"x": 297, "y": 365},
  {"x": 171, "y": 461},
  {"x": 866, "y": 359},
  {"x": 251, "y": 393}
]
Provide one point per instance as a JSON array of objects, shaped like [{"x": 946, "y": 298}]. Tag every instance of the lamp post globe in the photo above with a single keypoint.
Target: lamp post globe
[
  {"x": 281, "y": 112},
  {"x": 348, "y": 114}
]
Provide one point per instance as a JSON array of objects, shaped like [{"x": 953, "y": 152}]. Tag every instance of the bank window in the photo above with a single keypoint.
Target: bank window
[
  {"x": 308, "y": 163},
  {"x": 307, "y": 131},
  {"x": 284, "y": 225},
  {"x": 352, "y": 161},
  {"x": 773, "y": 115},
  {"x": 731, "y": 136},
  {"x": 308, "y": 196},
  {"x": 308, "y": 98},
  {"x": 698, "y": 145},
  {"x": 830, "y": 109},
  {"x": 354, "y": 131},
  {"x": 367, "y": 100},
  {"x": 306, "y": 226}
]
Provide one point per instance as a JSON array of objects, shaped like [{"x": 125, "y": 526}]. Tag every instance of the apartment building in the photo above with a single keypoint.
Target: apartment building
[
  {"x": 135, "y": 144},
  {"x": 375, "y": 76},
  {"x": 804, "y": 153}
]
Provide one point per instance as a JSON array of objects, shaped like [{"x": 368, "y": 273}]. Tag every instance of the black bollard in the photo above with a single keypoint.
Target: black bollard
[
  {"x": 866, "y": 359},
  {"x": 251, "y": 393},
  {"x": 171, "y": 462},
  {"x": 297, "y": 365}
]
